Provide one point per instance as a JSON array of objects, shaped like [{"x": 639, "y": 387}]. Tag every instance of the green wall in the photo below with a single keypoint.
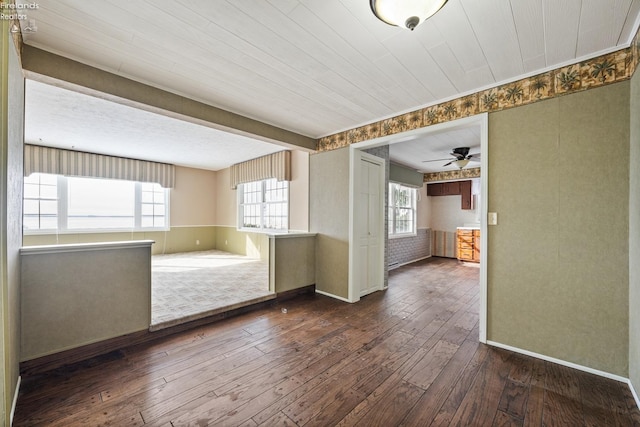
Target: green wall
[
  {"x": 177, "y": 239},
  {"x": 558, "y": 264},
  {"x": 236, "y": 241},
  {"x": 329, "y": 217},
  {"x": 634, "y": 236},
  {"x": 11, "y": 137}
]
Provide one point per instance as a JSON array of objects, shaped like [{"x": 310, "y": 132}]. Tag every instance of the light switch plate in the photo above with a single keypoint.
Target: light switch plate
[{"x": 492, "y": 218}]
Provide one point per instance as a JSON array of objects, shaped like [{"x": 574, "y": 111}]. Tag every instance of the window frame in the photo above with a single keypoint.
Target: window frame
[
  {"x": 63, "y": 205},
  {"x": 263, "y": 203},
  {"x": 392, "y": 207}
]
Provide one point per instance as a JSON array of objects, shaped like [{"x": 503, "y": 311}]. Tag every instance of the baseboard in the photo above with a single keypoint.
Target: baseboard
[
  {"x": 408, "y": 262},
  {"x": 15, "y": 401},
  {"x": 560, "y": 362},
  {"x": 635, "y": 395},
  {"x": 327, "y": 294},
  {"x": 292, "y": 293}
]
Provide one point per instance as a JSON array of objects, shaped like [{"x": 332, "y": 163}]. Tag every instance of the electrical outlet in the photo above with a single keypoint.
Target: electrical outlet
[{"x": 197, "y": 242}]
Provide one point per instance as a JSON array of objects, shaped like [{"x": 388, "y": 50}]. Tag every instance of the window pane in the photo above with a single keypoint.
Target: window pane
[
  {"x": 401, "y": 209},
  {"x": 48, "y": 222},
  {"x": 48, "y": 179},
  {"x": 31, "y": 222},
  {"x": 100, "y": 203},
  {"x": 48, "y": 207},
  {"x": 31, "y": 191},
  {"x": 49, "y": 192},
  {"x": 147, "y": 197},
  {"x": 31, "y": 207},
  {"x": 264, "y": 205},
  {"x": 40, "y": 202},
  {"x": 91, "y": 203}
]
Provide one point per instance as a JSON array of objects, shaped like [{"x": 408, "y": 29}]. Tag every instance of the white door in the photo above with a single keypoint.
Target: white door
[{"x": 368, "y": 226}]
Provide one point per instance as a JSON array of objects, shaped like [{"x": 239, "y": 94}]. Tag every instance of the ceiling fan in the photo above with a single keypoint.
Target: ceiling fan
[{"x": 462, "y": 157}]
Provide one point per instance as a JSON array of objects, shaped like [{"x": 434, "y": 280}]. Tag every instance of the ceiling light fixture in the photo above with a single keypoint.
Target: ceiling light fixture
[
  {"x": 461, "y": 163},
  {"x": 405, "y": 13}
]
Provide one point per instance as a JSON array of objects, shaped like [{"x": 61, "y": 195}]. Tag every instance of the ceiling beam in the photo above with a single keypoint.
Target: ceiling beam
[{"x": 50, "y": 68}]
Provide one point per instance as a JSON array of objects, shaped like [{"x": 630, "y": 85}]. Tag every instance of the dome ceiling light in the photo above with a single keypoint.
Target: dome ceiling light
[{"x": 405, "y": 13}]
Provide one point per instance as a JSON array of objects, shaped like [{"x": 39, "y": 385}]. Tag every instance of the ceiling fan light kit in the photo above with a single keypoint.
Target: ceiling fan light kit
[
  {"x": 462, "y": 157},
  {"x": 405, "y": 13},
  {"x": 461, "y": 163}
]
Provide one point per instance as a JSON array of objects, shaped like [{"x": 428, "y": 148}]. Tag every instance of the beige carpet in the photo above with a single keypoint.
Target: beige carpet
[{"x": 191, "y": 285}]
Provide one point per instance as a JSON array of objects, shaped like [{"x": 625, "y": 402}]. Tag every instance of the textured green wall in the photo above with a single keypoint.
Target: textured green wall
[
  {"x": 634, "y": 237},
  {"x": 294, "y": 262},
  {"x": 558, "y": 264},
  {"x": 329, "y": 217},
  {"x": 178, "y": 239},
  {"x": 11, "y": 137},
  {"x": 236, "y": 241}
]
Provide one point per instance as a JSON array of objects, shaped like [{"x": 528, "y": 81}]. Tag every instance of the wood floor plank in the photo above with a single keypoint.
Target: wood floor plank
[
  {"x": 279, "y": 420},
  {"x": 460, "y": 388},
  {"x": 487, "y": 387},
  {"x": 535, "y": 407},
  {"x": 514, "y": 399},
  {"x": 406, "y": 356},
  {"x": 562, "y": 410},
  {"x": 427, "y": 370},
  {"x": 432, "y": 400},
  {"x": 503, "y": 419}
]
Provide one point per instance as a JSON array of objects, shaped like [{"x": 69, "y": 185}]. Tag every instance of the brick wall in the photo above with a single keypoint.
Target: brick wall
[{"x": 404, "y": 250}]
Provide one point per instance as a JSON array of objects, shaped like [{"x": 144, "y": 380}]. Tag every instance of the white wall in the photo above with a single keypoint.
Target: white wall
[
  {"x": 423, "y": 208},
  {"x": 447, "y": 214}
]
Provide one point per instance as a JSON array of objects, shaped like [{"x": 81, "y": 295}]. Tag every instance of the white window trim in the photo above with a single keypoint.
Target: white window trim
[
  {"x": 262, "y": 229},
  {"x": 62, "y": 191},
  {"x": 414, "y": 209}
]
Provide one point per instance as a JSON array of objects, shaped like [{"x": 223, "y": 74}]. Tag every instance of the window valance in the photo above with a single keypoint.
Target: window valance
[
  {"x": 276, "y": 165},
  {"x": 76, "y": 163}
]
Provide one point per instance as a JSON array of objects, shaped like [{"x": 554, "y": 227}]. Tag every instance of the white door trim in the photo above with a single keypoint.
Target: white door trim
[
  {"x": 481, "y": 120},
  {"x": 355, "y": 158}
]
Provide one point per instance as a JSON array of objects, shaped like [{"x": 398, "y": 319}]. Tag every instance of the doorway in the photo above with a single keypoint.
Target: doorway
[{"x": 355, "y": 255}]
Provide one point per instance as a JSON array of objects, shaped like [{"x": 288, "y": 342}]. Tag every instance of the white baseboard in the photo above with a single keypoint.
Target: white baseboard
[
  {"x": 560, "y": 362},
  {"x": 635, "y": 395},
  {"x": 15, "y": 401},
  {"x": 408, "y": 262},
  {"x": 327, "y": 294}
]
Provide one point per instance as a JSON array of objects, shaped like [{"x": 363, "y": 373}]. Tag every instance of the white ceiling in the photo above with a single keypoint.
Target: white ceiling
[
  {"x": 317, "y": 67},
  {"x": 61, "y": 118},
  {"x": 430, "y": 153}
]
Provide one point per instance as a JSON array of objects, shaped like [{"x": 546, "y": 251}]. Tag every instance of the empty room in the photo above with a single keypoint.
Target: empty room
[{"x": 301, "y": 212}]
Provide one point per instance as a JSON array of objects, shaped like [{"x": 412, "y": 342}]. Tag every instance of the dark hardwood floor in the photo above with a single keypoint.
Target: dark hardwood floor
[{"x": 408, "y": 356}]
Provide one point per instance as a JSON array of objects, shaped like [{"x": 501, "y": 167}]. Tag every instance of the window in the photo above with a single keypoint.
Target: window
[
  {"x": 73, "y": 204},
  {"x": 402, "y": 210},
  {"x": 264, "y": 205},
  {"x": 40, "y": 202}
]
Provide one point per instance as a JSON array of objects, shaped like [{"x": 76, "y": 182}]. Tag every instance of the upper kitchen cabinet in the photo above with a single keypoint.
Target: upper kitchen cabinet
[{"x": 453, "y": 188}]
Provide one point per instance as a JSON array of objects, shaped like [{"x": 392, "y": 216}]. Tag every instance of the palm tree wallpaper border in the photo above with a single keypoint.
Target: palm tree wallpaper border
[{"x": 596, "y": 72}]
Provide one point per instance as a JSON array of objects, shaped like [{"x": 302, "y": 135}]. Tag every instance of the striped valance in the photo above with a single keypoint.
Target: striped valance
[
  {"x": 276, "y": 165},
  {"x": 75, "y": 163}
]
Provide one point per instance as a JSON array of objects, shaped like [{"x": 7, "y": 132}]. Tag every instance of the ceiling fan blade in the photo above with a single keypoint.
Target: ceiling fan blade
[
  {"x": 474, "y": 157},
  {"x": 461, "y": 151},
  {"x": 436, "y": 160},
  {"x": 447, "y": 164}
]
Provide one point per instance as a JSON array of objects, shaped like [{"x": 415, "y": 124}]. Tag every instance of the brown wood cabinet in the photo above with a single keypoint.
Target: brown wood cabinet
[
  {"x": 468, "y": 245},
  {"x": 453, "y": 188}
]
